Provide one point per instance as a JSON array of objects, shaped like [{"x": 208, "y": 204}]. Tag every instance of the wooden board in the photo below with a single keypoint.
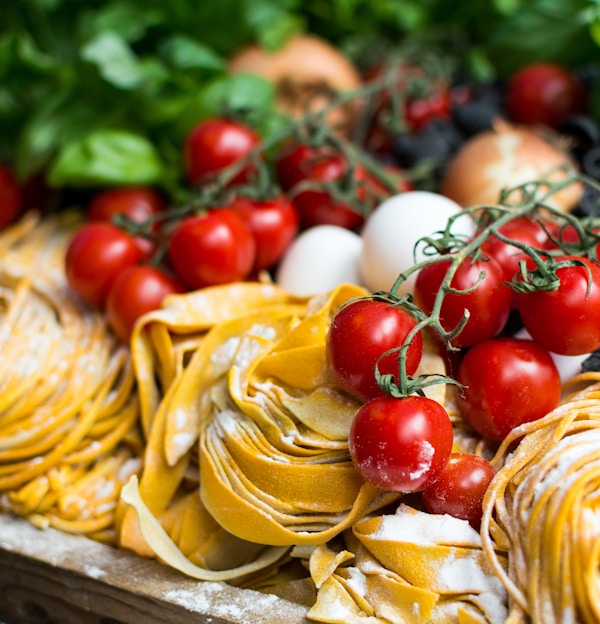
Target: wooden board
[{"x": 51, "y": 577}]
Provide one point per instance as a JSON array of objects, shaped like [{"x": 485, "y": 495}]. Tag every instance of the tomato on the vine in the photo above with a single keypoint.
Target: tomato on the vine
[
  {"x": 292, "y": 162},
  {"x": 135, "y": 291},
  {"x": 213, "y": 248},
  {"x": 566, "y": 320},
  {"x": 522, "y": 230},
  {"x": 96, "y": 254},
  {"x": 274, "y": 224},
  {"x": 460, "y": 487},
  {"x": 361, "y": 332},
  {"x": 138, "y": 203},
  {"x": 11, "y": 197},
  {"x": 401, "y": 444},
  {"x": 486, "y": 298},
  {"x": 544, "y": 93},
  {"x": 506, "y": 382},
  {"x": 217, "y": 143},
  {"x": 316, "y": 205}
]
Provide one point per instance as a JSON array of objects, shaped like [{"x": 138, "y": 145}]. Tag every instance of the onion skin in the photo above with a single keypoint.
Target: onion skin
[
  {"x": 504, "y": 157},
  {"x": 307, "y": 72}
]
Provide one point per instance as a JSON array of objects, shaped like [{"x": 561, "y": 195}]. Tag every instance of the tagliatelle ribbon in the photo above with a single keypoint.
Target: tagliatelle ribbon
[
  {"x": 253, "y": 404},
  {"x": 407, "y": 568},
  {"x": 545, "y": 507},
  {"x": 68, "y": 407}
]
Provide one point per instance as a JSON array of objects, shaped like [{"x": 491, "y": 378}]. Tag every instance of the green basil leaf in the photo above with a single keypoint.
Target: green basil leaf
[
  {"x": 115, "y": 60},
  {"x": 107, "y": 157}
]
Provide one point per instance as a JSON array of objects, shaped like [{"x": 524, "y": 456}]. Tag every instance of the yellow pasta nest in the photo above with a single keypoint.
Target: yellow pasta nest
[
  {"x": 543, "y": 508},
  {"x": 218, "y": 443},
  {"x": 68, "y": 413}
]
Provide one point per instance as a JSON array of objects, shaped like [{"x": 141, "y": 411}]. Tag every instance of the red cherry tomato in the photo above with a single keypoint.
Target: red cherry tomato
[
  {"x": 506, "y": 382},
  {"x": 401, "y": 444},
  {"x": 566, "y": 320},
  {"x": 292, "y": 162},
  {"x": 544, "y": 93},
  {"x": 274, "y": 224},
  {"x": 214, "y": 248},
  {"x": 11, "y": 197},
  {"x": 360, "y": 333},
  {"x": 436, "y": 104},
  {"x": 96, "y": 254},
  {"x": 139, "y": 203},
  {"x": 214, "y": 144},
  {"x": 486, "y": 298},
  {"x": 460, "y": 487},
  {"x": 135, "y": 291},
  {"x": 521, "y": 230},
  {"x": 318, "y": 206}
]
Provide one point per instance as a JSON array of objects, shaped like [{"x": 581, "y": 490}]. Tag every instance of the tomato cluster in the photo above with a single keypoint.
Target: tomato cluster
[{"x": 464, "y": 299}]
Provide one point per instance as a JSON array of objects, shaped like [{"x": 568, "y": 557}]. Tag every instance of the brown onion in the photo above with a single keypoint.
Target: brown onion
[
  {"x": 307, "y": 72},
  {"x": 504, "y": 157}
]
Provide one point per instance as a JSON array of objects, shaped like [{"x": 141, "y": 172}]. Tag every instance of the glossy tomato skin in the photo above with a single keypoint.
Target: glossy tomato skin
[
  {"x": 489, "y": 304},
  {"x": 317, "y": 206},
  {"x": 521, "y": 230},
  {"x": 506, "y": 382},
  {"x": 566, "y": 320},
  {"x": 401, "y": 444},
  {"x": 544, "y": 93},
  {"x": 11, "y": 197},
  {"x": 139, "y": 203},
  {"x": 274, "y": 224},
  {"x": 213, "y": 248},
  {"x": 293, "y": 161},
  {"x": 135, "y": 291},
  {"x": 216, "y": 143},
  {"x": 362, "y": 331},
  {"x": 460, "y": 487},
  {"x": 96, "y": 254}
]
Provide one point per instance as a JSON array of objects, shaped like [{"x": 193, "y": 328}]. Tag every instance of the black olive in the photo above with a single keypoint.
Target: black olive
[
  {"x": 584, "y": 131},
  {"x": 590, "y": 162},
  {"x": 478, "y": 114}
]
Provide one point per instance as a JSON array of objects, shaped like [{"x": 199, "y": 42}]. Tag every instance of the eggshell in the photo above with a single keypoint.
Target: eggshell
[
  {"x": 320, "y": 259},
  {"x": 568, "y": 365},
  {"x": 391, "y": 232}
]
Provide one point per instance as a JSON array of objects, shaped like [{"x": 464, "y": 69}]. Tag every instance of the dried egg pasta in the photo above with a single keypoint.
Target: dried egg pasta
[
  {"x": 68, "y": 407},
  {"x": 543, "y": 507}
]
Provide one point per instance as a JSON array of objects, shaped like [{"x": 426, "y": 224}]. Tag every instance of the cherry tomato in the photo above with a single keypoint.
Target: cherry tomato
[
  {"x": 274, "y": 224},
  {"x": 360, "y": 333},
  {"x": 293, "y": 160},
  {"x": 566, "y": 320},
  {"x": 96, "y": 254},
  {"x": 488, "y": 302},
  {"x": 544, "y": 93},
  {"x": 506, "y": 382},
  {"x": 135, "y": 291},
  {"x": 11, "y": 197},
  {"x": 214, "y": 248},
  {"x": 436, "y": 104},
  {"x": 139, "y": 203},
  {"x": 521, "y": 230},
  {"x": 460, "y": 487},
  {"x": 318, "y": 206},
  {"x": 569, "y": 237},
  {"x": 400, "y": 444},
  {"x": 214, "y": 144}
]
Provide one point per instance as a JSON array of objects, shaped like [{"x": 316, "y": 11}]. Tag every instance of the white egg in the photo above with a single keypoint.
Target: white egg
[
  {"x": 320, "y": 259},
  {"x": 391, "y": 232},
  {"x": 568, "y": 365}
]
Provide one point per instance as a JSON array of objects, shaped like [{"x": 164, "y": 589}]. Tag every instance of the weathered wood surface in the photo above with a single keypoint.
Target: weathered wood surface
[{"x": 49, "y": 577}]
